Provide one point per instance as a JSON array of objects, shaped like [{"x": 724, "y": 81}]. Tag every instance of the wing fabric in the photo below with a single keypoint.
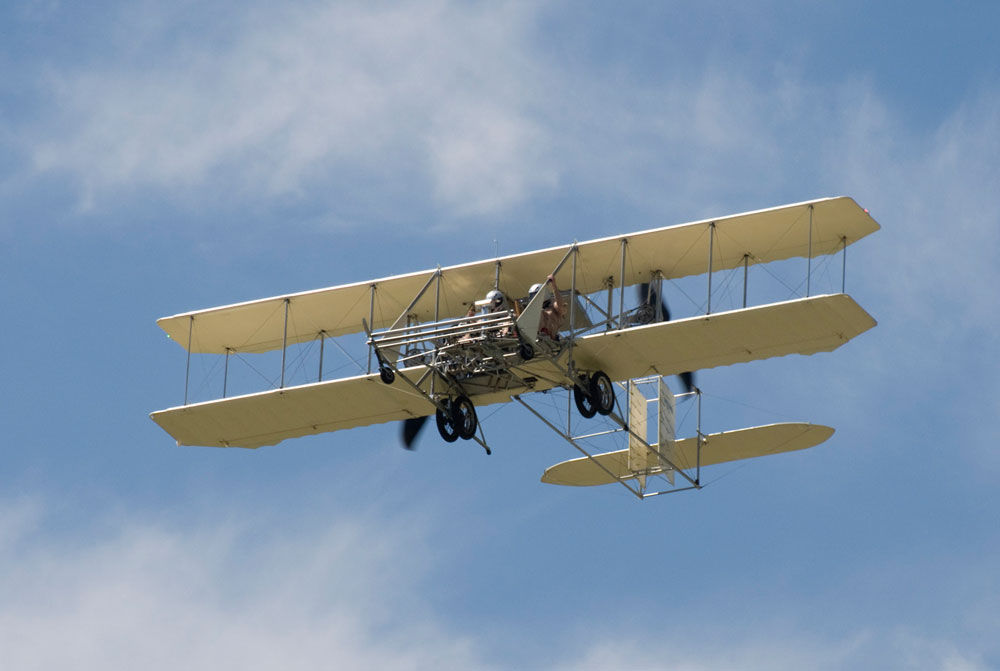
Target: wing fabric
[{"x": 718, "y": 448}]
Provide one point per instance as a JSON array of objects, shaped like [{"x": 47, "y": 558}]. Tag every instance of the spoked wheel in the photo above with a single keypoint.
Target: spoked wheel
[
  {"x": 602, "y": 393},
  {"x": 446, "y": 424},
  {"x": 583, "y": 401},
  {"x": 463, "y": 414}
]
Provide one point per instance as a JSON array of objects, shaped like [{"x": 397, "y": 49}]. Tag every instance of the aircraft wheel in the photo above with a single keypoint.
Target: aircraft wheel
[
  {"x": 526, "y": 351},
  {"x": 583, "y": 402},
  {"x": 463, "y": 414},
  {"x": 602, "y": 392},
  {"x": 387, "y": 375},
  {"x": 446, "y": 424}
]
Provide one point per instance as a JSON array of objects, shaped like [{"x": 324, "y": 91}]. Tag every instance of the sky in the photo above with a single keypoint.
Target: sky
[{"x": 163, "y": 157}]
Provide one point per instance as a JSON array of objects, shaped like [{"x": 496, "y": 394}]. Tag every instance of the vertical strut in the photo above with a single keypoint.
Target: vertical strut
[
  {"x": 843, "y": 269},
  {"x": 225, "y": 374},
  {"x": 810, "y": 258},
  {"x": 711, "y": 245},
  {"x": 284, "y": 344},
  {"x": 371, "y": 323},
  {"x": 322, "y": 341},
  {"x": 611, "y": 298},
  {"x": 701, "y": 439},
  {"x": 437, "y": 296},
  {"x": 746, "y": 262},
  {"x": 621, "y": 293},
  {"x": 187, "y": 371},
  {"x": 572, "y": 302}
]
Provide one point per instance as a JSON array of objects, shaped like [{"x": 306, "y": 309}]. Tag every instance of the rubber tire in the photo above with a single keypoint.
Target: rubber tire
[
  {"x": 463, "y": 414},
  {"x": 526, "y": 351},
  {"x": 387, "y": 375},
  {"x": 602, "y": 392},
  {"x": 446, "y": 424},
  {"x": 583, "y": 402}
]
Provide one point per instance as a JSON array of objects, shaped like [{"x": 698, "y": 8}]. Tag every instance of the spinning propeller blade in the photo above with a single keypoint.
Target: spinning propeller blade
[
  {"x": 649, "y": 296},
  {"x": 411, "y": 428}
]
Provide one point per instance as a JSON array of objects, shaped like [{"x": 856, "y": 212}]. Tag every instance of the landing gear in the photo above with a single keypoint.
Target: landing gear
[
  {"x": 384, "y": 369},
  {"x": 459, "y": 421},
  {"x": 583, "y": 401},
  {"x": 446, "y": 424},
  {"x": 602, "y": 392},
  {"x": 464, "y": 414},
  {"x": 386, "y": 374},
  {"x": 594, "y": 394}
]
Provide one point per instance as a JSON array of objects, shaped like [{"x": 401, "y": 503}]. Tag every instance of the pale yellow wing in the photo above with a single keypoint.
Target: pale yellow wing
[
  {"x": 804, "y": 326},
  {"x": 676, "y": 251},
  {"x": 758, "y": 441}
]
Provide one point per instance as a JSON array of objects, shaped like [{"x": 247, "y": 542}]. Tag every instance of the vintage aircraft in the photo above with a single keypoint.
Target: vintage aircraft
[{"x": 554, "y": 321}]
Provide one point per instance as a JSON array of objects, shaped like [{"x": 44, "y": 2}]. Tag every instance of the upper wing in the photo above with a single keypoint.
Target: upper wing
[
  {"x": 718, "y": 448},
  {"x": 676, "y": 251}
]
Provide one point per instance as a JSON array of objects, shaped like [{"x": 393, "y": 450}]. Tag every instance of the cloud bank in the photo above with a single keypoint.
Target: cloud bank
[
  {"x": 446, "y": 111},
  {"x": 246, "y": 591}
]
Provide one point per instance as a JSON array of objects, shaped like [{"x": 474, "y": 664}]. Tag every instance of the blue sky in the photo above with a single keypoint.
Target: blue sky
[{"x": 159, "y": 159}]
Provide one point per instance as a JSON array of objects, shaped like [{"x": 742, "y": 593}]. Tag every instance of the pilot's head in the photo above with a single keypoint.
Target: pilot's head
[
  {"x": 497, "y": 300},
  {"x": 535, "y": 288}
]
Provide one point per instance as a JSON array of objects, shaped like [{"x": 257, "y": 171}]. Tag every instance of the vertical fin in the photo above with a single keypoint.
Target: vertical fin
[
  {"x": 638, "y": 452},
  {"x": 666, "y": 428}
]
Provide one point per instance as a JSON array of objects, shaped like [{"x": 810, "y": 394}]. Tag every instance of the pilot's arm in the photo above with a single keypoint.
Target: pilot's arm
[{"x": 556, "y": 303}]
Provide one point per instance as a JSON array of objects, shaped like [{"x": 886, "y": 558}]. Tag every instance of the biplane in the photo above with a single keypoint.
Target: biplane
[{"x": 559, "y": 321}]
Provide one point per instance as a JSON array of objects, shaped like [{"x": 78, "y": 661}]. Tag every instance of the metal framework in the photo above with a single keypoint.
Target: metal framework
[
  {"x": 467, "y": 355},
  {"x": 609, "y": 317},
  {"x": 668, "y": 466}
]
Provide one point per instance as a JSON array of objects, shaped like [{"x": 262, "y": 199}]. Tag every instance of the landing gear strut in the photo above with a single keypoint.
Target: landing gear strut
[{"x": 594, "y": 394}]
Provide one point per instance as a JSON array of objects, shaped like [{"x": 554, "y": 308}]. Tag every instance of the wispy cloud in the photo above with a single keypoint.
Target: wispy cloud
[
  {"x": 223, "y": 594},
  {"x": 452, "y": 109},
  {"x": 899, "y": 649},
  {"x": 431, "y": 95},
  {"x": 249, "y": 590}
]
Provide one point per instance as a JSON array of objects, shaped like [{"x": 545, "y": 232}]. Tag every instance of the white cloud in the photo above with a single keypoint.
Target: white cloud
[
  {"x": 429, "y": 93},
  {"x": 706, "y": 650},
  {"x": 931, "y": 274},
  {"x": 453, "y": 108},
  {"x": 250, "y": 590},
  {"x": 222, "y": 595}
]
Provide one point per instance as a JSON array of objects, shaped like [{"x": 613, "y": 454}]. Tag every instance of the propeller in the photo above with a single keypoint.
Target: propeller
[
  {"x": 411, "y": 429},
  {"x": 649, "y": 301}
]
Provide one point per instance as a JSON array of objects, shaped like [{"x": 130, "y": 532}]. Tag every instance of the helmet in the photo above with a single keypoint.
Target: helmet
[
  {"x": 496, "y": 299},
  {"x": 534, "y": 289}
]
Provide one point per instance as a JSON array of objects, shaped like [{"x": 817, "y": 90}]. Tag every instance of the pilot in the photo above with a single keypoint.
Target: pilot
[
  {"x": 552, "y": 309},
  {"x": 497, "y": 301}
]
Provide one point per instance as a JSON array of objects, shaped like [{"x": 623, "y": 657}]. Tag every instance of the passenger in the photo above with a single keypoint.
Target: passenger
[
  {"x": 552, "y": 309},
  {"x": 468, "y": 322}
]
